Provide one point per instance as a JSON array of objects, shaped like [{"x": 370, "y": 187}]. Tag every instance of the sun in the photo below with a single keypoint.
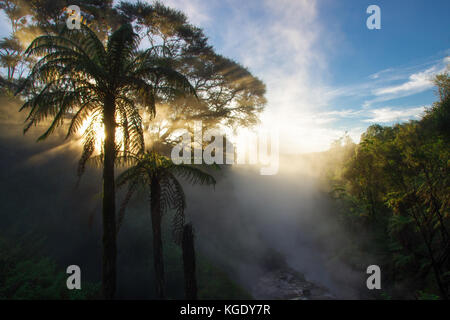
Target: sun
[{"x": 94, "y": 123}]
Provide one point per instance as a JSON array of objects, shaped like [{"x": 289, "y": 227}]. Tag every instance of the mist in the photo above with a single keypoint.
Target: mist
[
  {"x": 248, "y": 215},
  {"x": 246, "y": 218}
]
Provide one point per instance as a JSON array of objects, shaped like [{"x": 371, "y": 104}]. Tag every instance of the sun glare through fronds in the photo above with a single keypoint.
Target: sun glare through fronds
[{"x": 93, "y": 128}]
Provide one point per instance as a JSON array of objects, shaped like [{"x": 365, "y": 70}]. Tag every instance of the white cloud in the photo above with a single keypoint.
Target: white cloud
[
  {"x": 282, "y": 50},
  {"x": 5, "y": 26},
  {"x": 417, "y": 82},
  {"x": 388, "y": 114},
  {"x": 375, "y": 115},
  {"x": 379, "y": 73},
  {"x": 277, "y": 41},
  {"x": 392, "y": 83},
  {"x": 196, "y": 10}
]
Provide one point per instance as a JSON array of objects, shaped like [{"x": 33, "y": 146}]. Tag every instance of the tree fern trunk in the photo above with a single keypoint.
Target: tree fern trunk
[
  {"x": 190, "y": 279},
  {"x": 109, "y": 206},
  {"x": 155, "y": 206}
]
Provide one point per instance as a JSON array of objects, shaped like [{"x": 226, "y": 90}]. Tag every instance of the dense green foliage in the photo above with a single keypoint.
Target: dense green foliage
[
  {"x": 393, "y": 193},
  {"x": 27, "y": 275}
]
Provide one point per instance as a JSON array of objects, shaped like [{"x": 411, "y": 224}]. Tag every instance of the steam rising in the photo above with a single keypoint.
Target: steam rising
[{"x": 237, "y": 224}]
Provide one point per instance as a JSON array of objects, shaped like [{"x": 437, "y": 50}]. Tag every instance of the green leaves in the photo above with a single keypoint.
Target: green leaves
[
  {"x": 398, "y": 178},
  {"x": 397, "y": 223},
  {"x": 24, "y": 274}
]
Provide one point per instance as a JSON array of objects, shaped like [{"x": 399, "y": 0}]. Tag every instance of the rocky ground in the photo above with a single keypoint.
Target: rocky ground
[
  {"x": 280, "y": 281},
  {"x": 288, "y": 284}
]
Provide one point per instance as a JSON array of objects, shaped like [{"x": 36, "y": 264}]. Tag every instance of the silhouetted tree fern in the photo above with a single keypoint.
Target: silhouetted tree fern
[
  {"x": 158, "y": 175},
  {"x": 81, "y": 78}
]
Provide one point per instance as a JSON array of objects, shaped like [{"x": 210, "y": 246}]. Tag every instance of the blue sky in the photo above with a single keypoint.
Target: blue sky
[{"x": 326, "y": 72}]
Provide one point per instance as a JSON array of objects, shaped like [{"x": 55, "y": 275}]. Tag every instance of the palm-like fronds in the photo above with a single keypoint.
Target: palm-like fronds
[
  {"x": 151, "y": 167},
  {"x": 77, "y": 73},
  {"x": 81, "y": 78}
]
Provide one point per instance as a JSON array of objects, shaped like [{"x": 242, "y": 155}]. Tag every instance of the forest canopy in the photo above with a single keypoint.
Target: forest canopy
[
  {"x": 393, "y": 192},
  {"x": 227, "y": 94}
]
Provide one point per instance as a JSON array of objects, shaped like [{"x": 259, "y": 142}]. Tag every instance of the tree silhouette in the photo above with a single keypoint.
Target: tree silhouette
[
  {"x": 158, "y": 174},
  {"x": 84, "y": 79},
  {"x": 190, "y": 279},
  {"x": 227, "y": 93}
]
